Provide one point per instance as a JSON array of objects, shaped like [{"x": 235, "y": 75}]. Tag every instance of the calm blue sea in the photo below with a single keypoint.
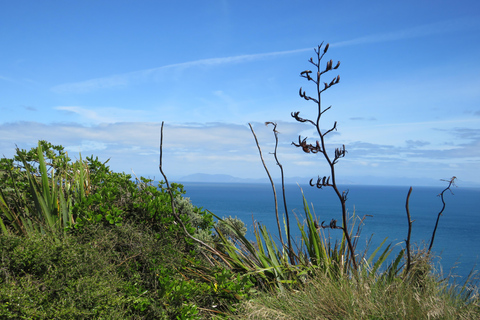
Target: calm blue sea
[{"x": 457, "y": 240}]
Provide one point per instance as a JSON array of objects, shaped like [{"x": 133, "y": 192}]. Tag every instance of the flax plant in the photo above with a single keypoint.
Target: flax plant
[
  {"x": 316, "y": 253},
  {"x": 261, "y": 260},
  {"x": 47, "y": 204}
]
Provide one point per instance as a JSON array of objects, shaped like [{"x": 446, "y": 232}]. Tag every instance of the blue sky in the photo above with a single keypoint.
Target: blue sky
[{"x": 99, "y": 77}]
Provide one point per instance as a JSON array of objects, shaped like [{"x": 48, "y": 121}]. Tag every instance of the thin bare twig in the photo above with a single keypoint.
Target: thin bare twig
[
  {"x": 290, "y": 251},
  {"x": 450, "y": 183},
  {"x": 172, "y": 202},
  {"x": 271, "y": 182},
  {"x": 407, "y": 241}
]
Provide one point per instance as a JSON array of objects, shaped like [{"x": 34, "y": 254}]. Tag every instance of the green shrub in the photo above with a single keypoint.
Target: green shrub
[
  {"x": 96, "y": 196},
  {"x": 43, "y": 278},
  {"x": 123, "y": 272},
  {"x": 230, "y": 226},
  {"x": 122, "y": 254}
]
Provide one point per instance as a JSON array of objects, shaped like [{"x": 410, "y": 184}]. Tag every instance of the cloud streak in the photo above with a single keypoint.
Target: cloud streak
[
  {"x": 125, "y": 79},
  {"x": 142, "y": 75},
  {"x": 230, "y": 149},
  {"x": 414, "y": 32},
  {"x": 104, "y": 114}
]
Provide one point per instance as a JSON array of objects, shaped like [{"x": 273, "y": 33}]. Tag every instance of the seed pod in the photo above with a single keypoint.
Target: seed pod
[
  {"x": 329, "y": 65},
  {"x": 338, "y": 65},
  {"x": 326, "y": 48}
]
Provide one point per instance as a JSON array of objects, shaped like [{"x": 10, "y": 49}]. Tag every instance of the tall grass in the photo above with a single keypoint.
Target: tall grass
[{"x": 364, "y": 298}]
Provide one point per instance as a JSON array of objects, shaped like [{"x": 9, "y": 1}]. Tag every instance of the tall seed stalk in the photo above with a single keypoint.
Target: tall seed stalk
[{"x": 319, "y": 147}]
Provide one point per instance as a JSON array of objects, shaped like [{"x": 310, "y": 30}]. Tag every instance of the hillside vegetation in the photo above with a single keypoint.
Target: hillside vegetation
[{"x": 78, "y": 241}]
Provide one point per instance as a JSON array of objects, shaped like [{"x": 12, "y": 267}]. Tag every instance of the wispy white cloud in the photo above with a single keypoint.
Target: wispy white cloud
[
  {"x": 129, "y": 78},
  {"x": 230, "y": 149},
  {"x": 83, "y": 112},
  {"x": 104, "y": 114},
  {"x": 8, "y": 79},
  {"x": 441, "y": 27},
  {"x": 88, "y": 146},
  {"x": 431, "y": 123},
  {"x": 143, "y": 75}
]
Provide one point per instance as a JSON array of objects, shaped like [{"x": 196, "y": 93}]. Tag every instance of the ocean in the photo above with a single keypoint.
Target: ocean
[{"x": 457, "y": 240}]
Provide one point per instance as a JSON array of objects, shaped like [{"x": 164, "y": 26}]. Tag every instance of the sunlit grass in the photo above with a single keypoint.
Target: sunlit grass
[{"x": 322, "y": 297}]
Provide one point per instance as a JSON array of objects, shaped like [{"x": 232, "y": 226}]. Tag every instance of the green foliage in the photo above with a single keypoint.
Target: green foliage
[
  {"x": 68, "y": 279},
  {"x": 200, "y": 222},
  {"x": 70, "y": 263},
  {"x": 34, "y": 198},
  {"x": 230, "y": 226},
  {"x": 124, "y": 272},
  {"x": 12, "y": 171},
  {"x": 43, "y": 190}
]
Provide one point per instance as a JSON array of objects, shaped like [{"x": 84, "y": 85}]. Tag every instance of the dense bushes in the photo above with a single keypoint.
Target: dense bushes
[
  {"x": 80, "y": 242},
  {"x": 76, "y": 278},
  {"x": 123, "y": 272},
  {"x": 84, "y": 192}
]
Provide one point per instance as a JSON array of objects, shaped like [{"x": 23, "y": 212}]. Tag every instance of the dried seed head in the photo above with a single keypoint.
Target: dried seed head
[
  {"x": 329, "y": 65},
  {"x": 338, "y": 65},
  {"x": 326, "y": 48}
]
